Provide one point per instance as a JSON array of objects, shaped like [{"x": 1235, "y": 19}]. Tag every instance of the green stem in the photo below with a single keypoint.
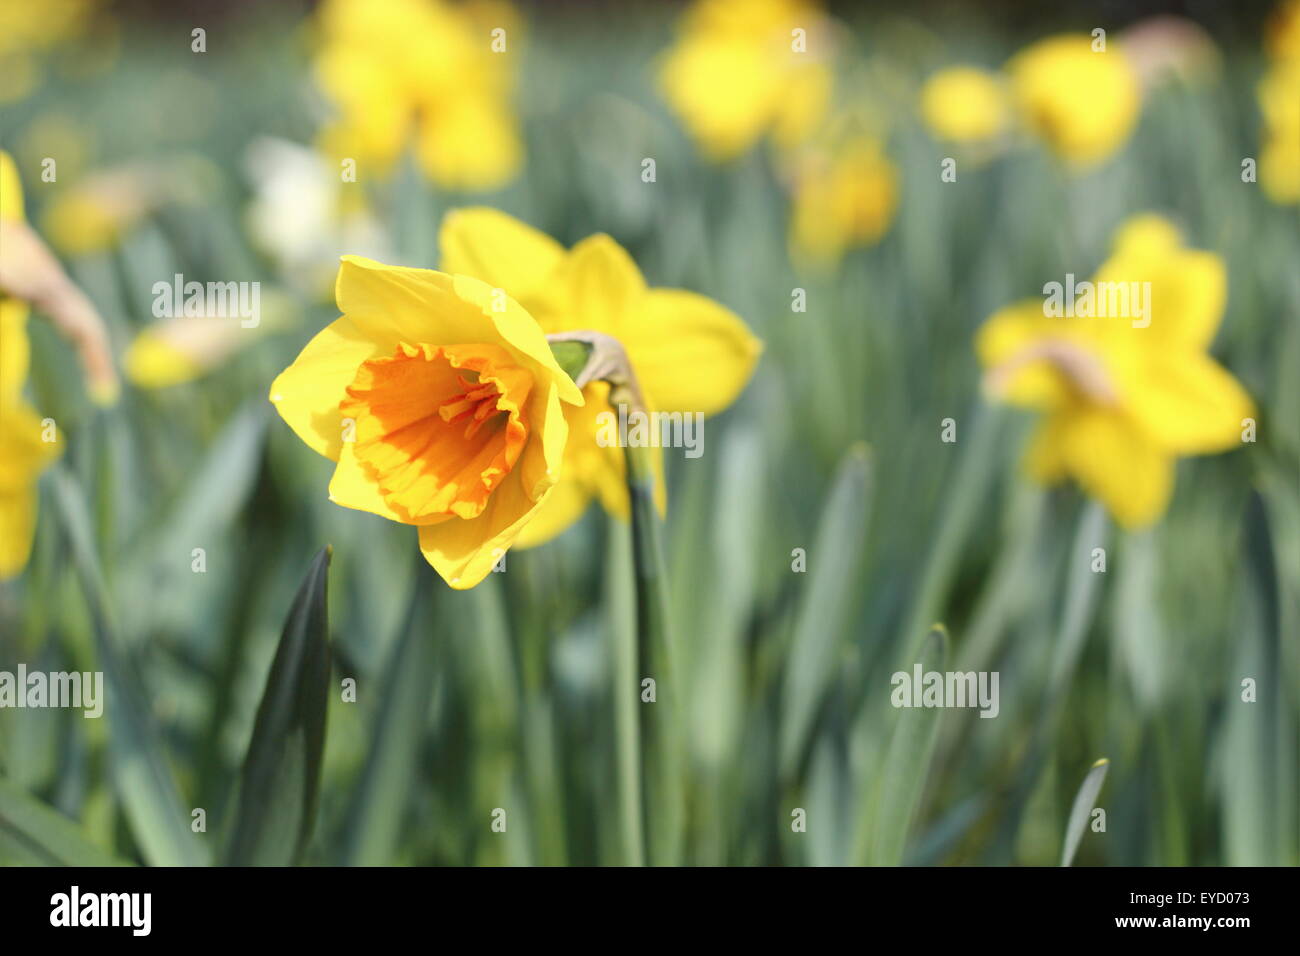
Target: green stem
[{"x": 660, "y": 767}]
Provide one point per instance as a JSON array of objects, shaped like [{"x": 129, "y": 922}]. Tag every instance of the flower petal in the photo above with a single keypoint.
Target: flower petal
[
  {"x": 1189, "y": 404},
  {"x": 561, "y": 508},
  {"x": 1119, "y": 466},
  {"x": 497, "y": 249},
  {"x": 308, "y": 392},
  {"x": 690, "y": 354},
  {"x": 463, "y": 551}
]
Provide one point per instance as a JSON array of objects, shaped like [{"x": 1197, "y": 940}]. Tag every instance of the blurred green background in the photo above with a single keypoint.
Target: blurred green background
[{"x": 515, "y": 695}]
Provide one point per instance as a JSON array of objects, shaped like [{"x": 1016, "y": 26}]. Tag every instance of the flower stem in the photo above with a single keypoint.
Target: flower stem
[{"x": 661, "y": 803}]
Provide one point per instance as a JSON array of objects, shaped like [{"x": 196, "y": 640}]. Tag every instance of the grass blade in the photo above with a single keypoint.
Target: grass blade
[
  {"x": 281, "y": 778},
  {"x": 1084, "y": 801},
  {"x": 901, "y": 779},
  {"x": 144, "y": 782},
  {"x": 832, "y": 586},
  {"x": 35, "y": 833}
]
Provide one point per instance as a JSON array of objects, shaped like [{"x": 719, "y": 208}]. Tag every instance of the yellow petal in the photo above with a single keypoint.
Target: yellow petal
[
  {"x": 560, "y": 509},
  {"x": 690, "y": 353},
  {"x": 470, "y": 142},
  {"x": 1147, "y": 234},
  {"x": 1005, "y": 338},
  {"x": 17, "y": 528},
  {"x": 15, "y": 349},
  {"x": 1117, "y": 464},
  {"x": 498, "y": 249},
  {"x": 463, "y": 551},
  {"x": 1189, "y": 404},
  {"x": 1189, "y": 289},
  {"x": 11, "y": 189},
  {"x": 597, "y": 287},
  {"x": 308, "y": 392},
  {"x": 153, "y": 362},
  {"x": 399, "y": 304}
]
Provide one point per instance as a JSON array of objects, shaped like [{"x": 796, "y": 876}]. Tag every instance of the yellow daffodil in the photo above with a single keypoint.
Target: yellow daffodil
[
  {"x": 1279, "y": 160},
  {"x": 428, "y": 72},
  {"x": 1082, "y": 103},
  {"x": 964, "y": 104},
  {"x": 689, "y": 354},
  {"x": 1127, "y": 392},
  {"x": 743, "y": 69},
  {"x": 30, "y": 444},
  {"x": 28, "y": 30},
  {"x": 845, "y": 195},
  {"x": 1282, "y": 35},
  {"x": 441, "y": 403}
]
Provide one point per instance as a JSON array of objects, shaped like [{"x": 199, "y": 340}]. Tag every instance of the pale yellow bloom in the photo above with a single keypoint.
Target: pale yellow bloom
[
  {"x": 1279, "y": 160},
  {"x": 845, "y": 195},
  {"x": 1124, "y": 395},
  {"x": 1282, "y": 35},
  {"x": 28, "y": 30},
  {"x": 744, "y": 69},
  {"x": 1082, "y": 103},
  {"x": 422, "y": 73},
  {"x": 965, "y": 104},
  {"x": 26, "y": 452}
]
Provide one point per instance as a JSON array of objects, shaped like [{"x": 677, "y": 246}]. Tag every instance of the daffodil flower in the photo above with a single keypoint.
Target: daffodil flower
[
  {"x": 744, "y": 69},
  {"x": 1279, "y": 160},
  {"x": 845, "y": 196},
  {"x": 441, "y": 403},
  {"x": 1082, "y": 102},
  {"x": 689, "y": 354},
  {"x": 29, "y": 272},
  {"x": 422, "y": 72},
  {"x": 1124, "y": 395},
  {"x": 964, "y": 104}
]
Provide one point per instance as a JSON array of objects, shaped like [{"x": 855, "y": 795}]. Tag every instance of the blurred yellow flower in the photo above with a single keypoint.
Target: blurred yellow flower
[
  {"x": 1125, "y": 389},
  {"x": 1279, "y": 160},
  {"x": 743, "y": 69},
  {"x": 964, "y": 104},
  {"x": 689, "y": 353},
  {"x": 1082, "y": 103},
  {"x": 425, "y": 71},
  {"x": 27, "y": 452},
  {"x": 29, "y": 29},
  {"x": 441, "y": 403},
  {"x": 1282, "y": 34},
  {"x": 845, "y": 195}
]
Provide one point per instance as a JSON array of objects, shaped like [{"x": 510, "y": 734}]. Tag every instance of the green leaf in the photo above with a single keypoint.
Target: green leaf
[
  {"x": 281, "y": 777},
  {"x": 37, "y": 834},
  {"x": 1084, "y": 801},
  {"x": 832, "y": 587},
  {"x": 379, "y": 804},
  {"x": 901, "y": 777},
  {"x": 150, "y": 798}
]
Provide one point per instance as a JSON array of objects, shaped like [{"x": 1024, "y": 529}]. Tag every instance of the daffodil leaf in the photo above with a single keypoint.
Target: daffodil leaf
[
  {"x": 143, "y": 780},
  {"x": 1084, "y": 801},
  {"x": 892, "y": 799},
  {"x": 281, "y": 778},
  {"x": 380, "y": 800},
  {"x": 34, "y": 833},
  {"x": 829, "y": 596}
]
